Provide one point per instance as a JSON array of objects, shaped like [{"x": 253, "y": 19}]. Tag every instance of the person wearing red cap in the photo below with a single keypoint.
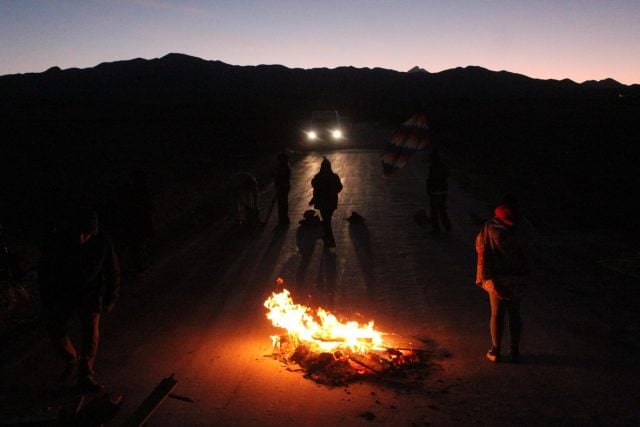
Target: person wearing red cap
[{"x": 501, "y": 270}]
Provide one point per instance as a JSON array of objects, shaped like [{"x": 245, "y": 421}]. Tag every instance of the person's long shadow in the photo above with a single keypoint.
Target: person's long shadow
[
  {"x": 268, "y": 260},
  {"x": 306, "y": 238},
  {"x": 360, "y": 237},
  {"x": 327, "y": 277}
]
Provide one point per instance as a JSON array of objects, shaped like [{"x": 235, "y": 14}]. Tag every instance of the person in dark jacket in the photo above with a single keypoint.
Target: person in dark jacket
[
  {"x": 501, "y": 271},
  {"x": 326, "y": 186},
  {"x": 437, "y": 187},
  {"x": 282, "y": 175},
  {"x": 78, "y": 274}
]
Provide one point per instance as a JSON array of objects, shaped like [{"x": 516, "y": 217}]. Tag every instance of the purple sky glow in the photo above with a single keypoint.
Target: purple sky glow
[{"x": 547, "y": 39}]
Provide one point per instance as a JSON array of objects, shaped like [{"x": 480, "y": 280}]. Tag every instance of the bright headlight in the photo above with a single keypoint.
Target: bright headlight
[
  {"x": 312, "y": 135},
  {"x": 337, "y": 134}
]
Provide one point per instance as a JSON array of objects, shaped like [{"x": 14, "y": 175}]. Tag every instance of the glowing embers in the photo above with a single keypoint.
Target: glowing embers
[{"x": 333, "y": 352}]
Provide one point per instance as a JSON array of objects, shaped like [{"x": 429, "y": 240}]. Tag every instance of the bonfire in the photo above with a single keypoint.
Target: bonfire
[{"x": 332, "y": 351}]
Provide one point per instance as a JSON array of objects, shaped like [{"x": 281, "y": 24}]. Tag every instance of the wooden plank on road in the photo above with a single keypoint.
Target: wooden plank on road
[{"x": 152, "y": 402}]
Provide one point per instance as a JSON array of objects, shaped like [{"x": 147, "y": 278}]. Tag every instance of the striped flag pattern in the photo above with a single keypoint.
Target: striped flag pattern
[{"x": 411, "y": 136}]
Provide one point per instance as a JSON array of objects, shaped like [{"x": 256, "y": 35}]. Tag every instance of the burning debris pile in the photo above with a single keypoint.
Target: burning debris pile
[{"x": 333, "y": 352}]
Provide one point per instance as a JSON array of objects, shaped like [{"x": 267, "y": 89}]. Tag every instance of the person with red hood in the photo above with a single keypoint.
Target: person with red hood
[
  {"x": 326, "y": 186},
  {"x": 501, "y": 271}
]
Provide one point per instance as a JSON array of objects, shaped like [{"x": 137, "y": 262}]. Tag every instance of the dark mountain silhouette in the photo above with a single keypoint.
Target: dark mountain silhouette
[
  {"x": 417, "y": 69},
  {"x": 179, "y": 78},
  {"x": 68, "y": 132}
]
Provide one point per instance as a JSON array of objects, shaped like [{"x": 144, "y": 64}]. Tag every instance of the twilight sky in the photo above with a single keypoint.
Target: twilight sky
[{"x": 576, "y": 39}]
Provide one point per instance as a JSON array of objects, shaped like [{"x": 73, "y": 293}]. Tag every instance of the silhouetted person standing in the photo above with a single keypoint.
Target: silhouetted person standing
[
  {"x": 501, "y": 271},
  {"x": 326, "y": 186},
  {"x": 437, "y": 188},
  {"x": 282, "y": 175},
  {"x": 78, "y": 275}
]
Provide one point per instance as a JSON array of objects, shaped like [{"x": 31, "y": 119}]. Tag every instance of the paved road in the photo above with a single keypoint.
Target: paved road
[{"x": 201, "y": 318}]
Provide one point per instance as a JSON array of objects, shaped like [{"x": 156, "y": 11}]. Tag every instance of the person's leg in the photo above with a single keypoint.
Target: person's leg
[
  {"x": 239, "y": 209},
  {"x": 435, "y": 213},
  {"x": 57, "y": 327},
  {"x": 497, "y": 321},
  {"x": 444, "y": 215},
  {"x": 327, "y": 215},
  {"x": 139, "y": 257},
  {"x": 283, "y": 207},
  {"x": 90, "y": 339}
]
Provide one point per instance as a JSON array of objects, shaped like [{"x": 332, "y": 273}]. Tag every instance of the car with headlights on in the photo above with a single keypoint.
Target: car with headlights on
[{"x": 324, "y": 130}]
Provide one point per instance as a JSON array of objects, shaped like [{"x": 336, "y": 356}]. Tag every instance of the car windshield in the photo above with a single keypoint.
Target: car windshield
[{"x": 325, "y": 118}]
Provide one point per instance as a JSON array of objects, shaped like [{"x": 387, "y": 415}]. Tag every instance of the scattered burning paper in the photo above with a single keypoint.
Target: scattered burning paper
[{"x": 329, "y": 350}]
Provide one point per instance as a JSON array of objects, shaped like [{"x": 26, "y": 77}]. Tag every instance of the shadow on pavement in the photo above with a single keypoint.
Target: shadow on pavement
[
  {"x": 360, "y": 237},
  {"x": 306, "y": 238}
]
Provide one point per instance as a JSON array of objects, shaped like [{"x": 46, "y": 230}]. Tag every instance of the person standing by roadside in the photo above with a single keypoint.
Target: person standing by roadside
[
  {"x": 437, "y": 187},
  {"x": 282, "y": 175},
  {"x": 326, "y": 186},
  {"x": 502, "y": 266},
  {"x": 78, "y": 274}
]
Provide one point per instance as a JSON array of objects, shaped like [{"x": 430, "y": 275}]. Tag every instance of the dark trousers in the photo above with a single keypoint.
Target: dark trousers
[
  {"x": 512, "y": 309},
  {"x": 327, "y": 215},
  {"x": 283, "y": 206},
  {"x": 58, "y": 328},
  {"x": 439, "y": 214}
]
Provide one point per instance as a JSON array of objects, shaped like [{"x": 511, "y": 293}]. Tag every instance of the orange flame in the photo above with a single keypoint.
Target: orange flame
[{"x": 327, "y": 333}]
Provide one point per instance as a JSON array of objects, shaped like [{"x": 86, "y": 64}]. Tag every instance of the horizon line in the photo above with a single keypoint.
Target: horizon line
[{"x": 420, "y": 69}]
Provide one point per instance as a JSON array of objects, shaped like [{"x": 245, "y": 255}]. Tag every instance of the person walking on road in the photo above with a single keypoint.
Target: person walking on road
[
  {"x": 326, "y": 186},
  {"x": 78, "y": 274},
  {"x": 502, "y": 266},
  {"x": 437, "y": 187},
  {"x": 282, "y": 175}
]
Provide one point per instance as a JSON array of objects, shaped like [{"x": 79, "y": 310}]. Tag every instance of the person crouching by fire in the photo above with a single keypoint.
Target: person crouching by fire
[
  {"x": 501, "y": 271},
  {"x": 78, "y": 275}
]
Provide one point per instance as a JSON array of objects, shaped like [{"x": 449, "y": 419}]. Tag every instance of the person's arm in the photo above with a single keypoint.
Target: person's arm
[{"x": 483, "y": 270}]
